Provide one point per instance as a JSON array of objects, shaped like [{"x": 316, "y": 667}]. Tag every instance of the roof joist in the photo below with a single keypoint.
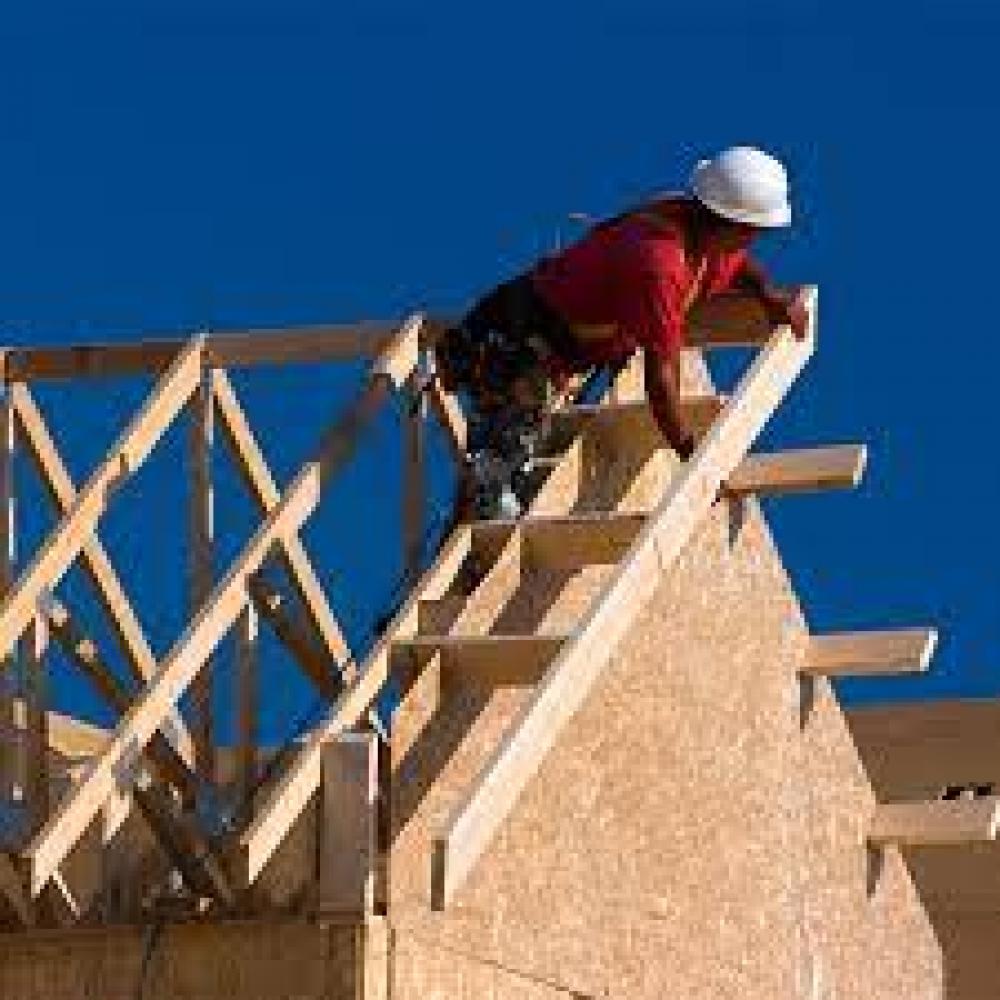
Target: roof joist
[
  {"x": 498, "y": 660},
  {"x": 870, "y": 654},
  {"x": 925, "y": 824}
]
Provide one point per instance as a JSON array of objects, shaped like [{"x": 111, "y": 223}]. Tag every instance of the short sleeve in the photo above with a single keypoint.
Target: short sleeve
[{"x": 651, "y": 307}]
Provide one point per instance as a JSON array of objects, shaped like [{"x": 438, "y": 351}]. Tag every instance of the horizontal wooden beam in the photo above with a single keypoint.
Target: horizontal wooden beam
[
  {"x": 126, "y": 455},
  {"x": 110, "y": 770},
  {"x": 634, "y": 417},
  {"x": 925, "y": 824},
  {"x": 848, "y": 654},
  {"x": 724, "y": 321},
  {"x": 801, "y": 470},
  {"x": 236, "y": 349},
  {"x": 570, "y": 541},
  {"x": 292, "y": 792},
  {"x": 499, "y": 660},
  {"x": 568, "y": 681}
]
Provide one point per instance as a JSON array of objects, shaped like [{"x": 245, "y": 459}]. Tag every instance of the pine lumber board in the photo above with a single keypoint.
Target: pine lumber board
[
  {"x": 291, "y": 794},
  {"x": 632, "y": 416},
  {"x": 314, "y": 662},
  {"x": 260, "y": 482},
  {"x": 800, "y": 470},
  {"x": 923, "y": 824},
  {"x": 568, "y": 541},
  {"x": 498, "y": 660},
  {"x": 232, "y": 349},
  {"x": 96, "y": 563},
  {"x": 203, "y": 633},
  {"x": 890, "y": 651},
  {"x": 476, "y": 819},
  {"x": 67, "y": 539},
  {"x": 178, "y": 836}
]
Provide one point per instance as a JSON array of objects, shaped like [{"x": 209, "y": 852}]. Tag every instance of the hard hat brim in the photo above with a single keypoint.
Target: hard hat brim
[{"x": 778, "y": 218}]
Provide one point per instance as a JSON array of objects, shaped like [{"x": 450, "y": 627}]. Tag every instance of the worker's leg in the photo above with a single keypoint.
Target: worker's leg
[{"x": 493, "y": 356}]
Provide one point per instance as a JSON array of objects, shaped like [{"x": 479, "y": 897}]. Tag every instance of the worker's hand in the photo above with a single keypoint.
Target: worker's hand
[
  {"x": 685, "y": 447},
  {"x": 788, "y": 307}
]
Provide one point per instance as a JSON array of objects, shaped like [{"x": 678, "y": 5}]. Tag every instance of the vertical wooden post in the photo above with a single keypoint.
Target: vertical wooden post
[
  {"x": 414, "y": 422},
  {"x": 36, "y": 728},
  {"x": 348, "y": 829},
  {"x": 9, "y": 669},
  {"x": 200, "y": 567},
  {"x": 246, "y": 701}
]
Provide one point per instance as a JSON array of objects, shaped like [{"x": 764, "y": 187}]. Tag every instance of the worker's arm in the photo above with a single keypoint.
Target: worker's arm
[
  {"x": 663, "y": 389},
  {"x": 784, "y": 306}
]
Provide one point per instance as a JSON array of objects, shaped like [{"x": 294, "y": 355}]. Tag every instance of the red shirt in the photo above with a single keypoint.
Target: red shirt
[{"x": 636, "y": 276}]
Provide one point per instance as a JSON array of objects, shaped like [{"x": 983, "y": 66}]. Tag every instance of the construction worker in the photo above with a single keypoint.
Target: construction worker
[{"x": 628, "y": 283}]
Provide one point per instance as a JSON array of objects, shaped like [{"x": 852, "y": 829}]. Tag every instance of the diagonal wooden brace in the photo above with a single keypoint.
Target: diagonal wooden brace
[
  {"x": 66, "y": 540},
  {"x": 129, "y": 633},
  {"x": 111, "y": 769}
]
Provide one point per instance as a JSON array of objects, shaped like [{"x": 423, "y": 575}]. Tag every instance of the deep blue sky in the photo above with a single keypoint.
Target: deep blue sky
[{"x": 170, "y": 165}]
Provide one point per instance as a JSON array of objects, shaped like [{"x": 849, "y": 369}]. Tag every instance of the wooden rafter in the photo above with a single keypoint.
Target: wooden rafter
[
  {"x": 260, "y": 482},
  {"x": 923, "y": 824},
  {"x": 220, "y": 611},
  {"x": 96, "y": 563},
  {"x": 568, "y": 681},
  {"x": 292, "y": 792},
  {"x": 799, "y": 470},
  {"x": 892, "y": 651},
  {"x": 71, "y": 534},
  {"x": 178, "y": 836}
]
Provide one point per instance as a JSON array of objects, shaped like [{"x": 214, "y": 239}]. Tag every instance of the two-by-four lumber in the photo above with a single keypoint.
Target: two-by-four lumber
[
  {"x": 570, "y": 678},
  {"x": 216, "y": 617},
  {"x": 35, "y": 757},
  {"x": 126, "y": 455},
  {"x": 8, "y": 562},
  {"x": 110, "y": 592},
  {"x": 236, "y": 349},
  {"x": 83, "y": 653},
  {"x": 178, "y": 835},
  {"x": 247, "y": 679},
  {"x": 413, "y": 499},
  {"x": 634, "y": 416},
  {"x": 496, "y": 660},
  {"x": 347, "y": 847},
  {"x": 273, "y": 607},
  {"x": 893, "y": 651},
  {"x": 201, "y": 522},
  {"x": 796, "y": 471},
  {"x": 260, "y": 482},
  {"x": 925, "y": 824},
  {"x": 569, "y": 541},
  {"x": 291, "y": 793}
]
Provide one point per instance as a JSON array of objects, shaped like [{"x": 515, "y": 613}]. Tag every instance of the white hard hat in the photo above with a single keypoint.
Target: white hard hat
[{"x": 745, "y": 185}]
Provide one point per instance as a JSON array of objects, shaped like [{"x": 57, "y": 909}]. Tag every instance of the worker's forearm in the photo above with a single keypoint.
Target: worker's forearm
[{"x": 666, "y": 407}]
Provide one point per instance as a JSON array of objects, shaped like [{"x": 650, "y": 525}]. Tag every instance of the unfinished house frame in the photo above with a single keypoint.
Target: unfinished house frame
[{"x": 616, "y": 767}]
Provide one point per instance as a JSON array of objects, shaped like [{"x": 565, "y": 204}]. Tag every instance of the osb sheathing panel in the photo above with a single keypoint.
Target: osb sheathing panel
[
  {"x": 686, "y": 836},
  {"x": 240, "y": 961},
  {"x": 435, "y": 973}
]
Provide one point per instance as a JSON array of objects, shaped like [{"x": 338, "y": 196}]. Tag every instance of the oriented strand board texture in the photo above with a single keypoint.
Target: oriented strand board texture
[
  {"x": 697, "y": 831},
  {"x": 240, "y": 961}
]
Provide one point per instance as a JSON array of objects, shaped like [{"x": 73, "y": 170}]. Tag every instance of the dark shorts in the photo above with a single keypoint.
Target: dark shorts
[{"x": 507, "y": 355}]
